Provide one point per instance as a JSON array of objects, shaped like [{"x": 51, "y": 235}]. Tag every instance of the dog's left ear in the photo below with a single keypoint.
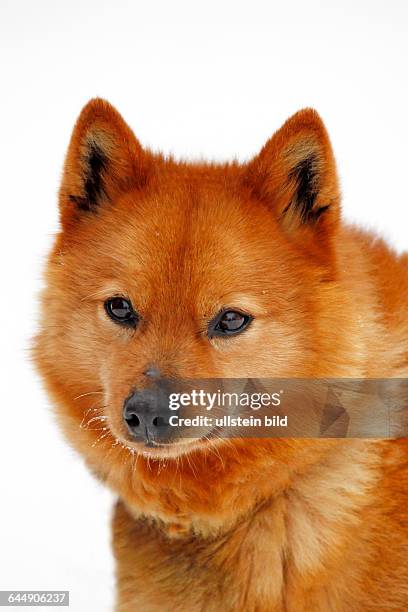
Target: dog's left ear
[{"x": 295, "y": 174}]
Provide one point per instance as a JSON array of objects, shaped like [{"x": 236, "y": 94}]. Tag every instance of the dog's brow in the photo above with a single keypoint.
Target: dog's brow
[
  {"x": 247, "y": 302},
  {"x": 104, "y": 291}
]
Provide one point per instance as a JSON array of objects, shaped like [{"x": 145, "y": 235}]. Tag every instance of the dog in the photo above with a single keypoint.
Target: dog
[{"x": 164, "y": 269}]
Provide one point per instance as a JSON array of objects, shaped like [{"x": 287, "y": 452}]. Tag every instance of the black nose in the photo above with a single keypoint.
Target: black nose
[{"x": 146, "y": 414}]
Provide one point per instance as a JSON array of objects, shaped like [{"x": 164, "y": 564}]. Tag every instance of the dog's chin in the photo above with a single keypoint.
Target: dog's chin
[
  {"x": 171, "y": 449},
  {"x": 161, "y": 450}
]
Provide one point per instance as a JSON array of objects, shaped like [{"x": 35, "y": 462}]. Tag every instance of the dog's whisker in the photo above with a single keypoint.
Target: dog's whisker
[
  {"x": 135, "y": 457},
  {"x": 162, "y": 465},
  {"x": 191, "y": 464},
  {"x": 214, "y": 449},
  {"x": 98, "y": 418},
  {"x": 101, "y": 437},
  {"x": 86, "y": 394},
  {"x": 87, "y": 420},
  {"x": 209, "y": 448},
  {"x": 226, "y": 442}
]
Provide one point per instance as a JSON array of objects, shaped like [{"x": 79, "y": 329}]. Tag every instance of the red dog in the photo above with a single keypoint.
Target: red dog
[{"x": 166, "y": 268}]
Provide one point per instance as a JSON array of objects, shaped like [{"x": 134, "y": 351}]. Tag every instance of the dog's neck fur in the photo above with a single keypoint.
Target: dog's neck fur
[{"x": 307, "y": 525}]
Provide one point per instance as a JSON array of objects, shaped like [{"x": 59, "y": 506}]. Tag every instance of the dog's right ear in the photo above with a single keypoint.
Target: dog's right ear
[
  {"x": 295, "y": 176},
  {"x": 104, "y": 159}
]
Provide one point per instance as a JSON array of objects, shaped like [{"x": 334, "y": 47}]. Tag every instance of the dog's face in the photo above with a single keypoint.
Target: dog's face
[{"x": 165, "y": 270}]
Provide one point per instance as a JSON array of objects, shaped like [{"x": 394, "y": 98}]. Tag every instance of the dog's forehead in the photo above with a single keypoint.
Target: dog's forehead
[
  {"x": 186, "y": 227},
  {"x": 190, "y": 245}
]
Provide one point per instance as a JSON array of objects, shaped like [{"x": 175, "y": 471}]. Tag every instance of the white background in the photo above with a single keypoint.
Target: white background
[{"x": 211, "y": 79}]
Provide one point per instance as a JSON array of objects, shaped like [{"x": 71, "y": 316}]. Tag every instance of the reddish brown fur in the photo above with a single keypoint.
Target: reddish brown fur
[{"x": 250, "y": 525}]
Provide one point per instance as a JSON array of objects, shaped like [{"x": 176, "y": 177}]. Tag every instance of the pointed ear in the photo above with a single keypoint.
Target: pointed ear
[
  {"x": 104, "y": 159},
  {"x": 295, "y": 174}
]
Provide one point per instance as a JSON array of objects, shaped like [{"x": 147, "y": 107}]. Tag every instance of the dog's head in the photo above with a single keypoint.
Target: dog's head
[{"x": 168, "y": 270}]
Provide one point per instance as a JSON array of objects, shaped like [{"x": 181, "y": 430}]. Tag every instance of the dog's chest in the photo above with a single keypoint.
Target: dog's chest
[{"x": 159, "y": 574}]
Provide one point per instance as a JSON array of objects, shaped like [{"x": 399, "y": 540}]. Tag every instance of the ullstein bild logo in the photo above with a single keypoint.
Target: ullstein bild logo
[{"x": 300, "y": 408}]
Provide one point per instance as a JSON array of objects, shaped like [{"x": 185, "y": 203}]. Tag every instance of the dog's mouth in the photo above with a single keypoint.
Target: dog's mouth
[{"x": 173, "y": 447}]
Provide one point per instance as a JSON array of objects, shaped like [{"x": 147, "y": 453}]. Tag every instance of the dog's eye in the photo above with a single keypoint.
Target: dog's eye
[
  {"x": 228, "y": 323},
  {"x": 121, "y": 310}
]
